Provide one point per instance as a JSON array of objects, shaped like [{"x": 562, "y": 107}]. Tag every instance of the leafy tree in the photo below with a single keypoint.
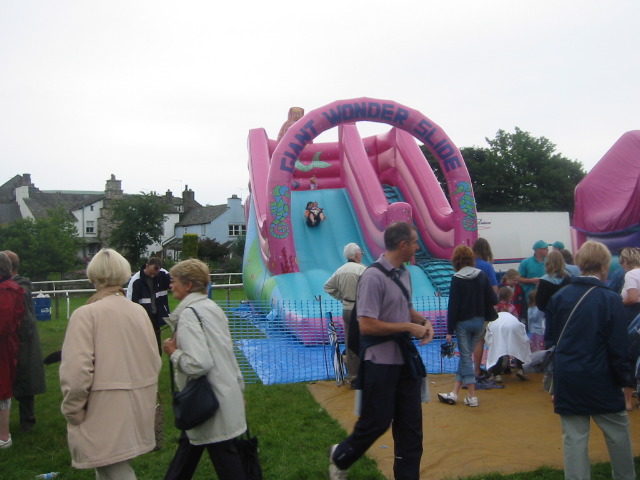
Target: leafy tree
[
  {"x": 139, "y": 223},
  {"x": 45, "y": 245},
  {"x": 519, "y": 172},
  {"x": 189, "y": 246},
  {"x": 212, "y": 250},
  {"x": 238, "y": 246}
]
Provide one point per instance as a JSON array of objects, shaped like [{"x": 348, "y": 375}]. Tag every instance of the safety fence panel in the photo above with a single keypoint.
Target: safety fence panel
[{"x": 288, "y": 342}]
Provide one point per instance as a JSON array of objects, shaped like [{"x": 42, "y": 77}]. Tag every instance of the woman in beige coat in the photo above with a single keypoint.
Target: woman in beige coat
[
  {"x": 202, "y": 345},
  {"x": 109, "y": 375}
]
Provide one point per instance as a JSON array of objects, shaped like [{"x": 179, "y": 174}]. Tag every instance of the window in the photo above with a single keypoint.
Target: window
[
  {"x": 237, "y": 230},
  {"x": 91, "y": 207},
  {"x": 90, "y": 227}
]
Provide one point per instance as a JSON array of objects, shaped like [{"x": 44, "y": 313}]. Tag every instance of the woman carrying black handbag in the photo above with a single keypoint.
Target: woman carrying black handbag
[{"x": 202, "y": 346}]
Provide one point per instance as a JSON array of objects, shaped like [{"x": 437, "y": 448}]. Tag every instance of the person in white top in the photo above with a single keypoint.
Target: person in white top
[
  {"x": 343, "y": 286},
  {"x": 630, "y": 260}
]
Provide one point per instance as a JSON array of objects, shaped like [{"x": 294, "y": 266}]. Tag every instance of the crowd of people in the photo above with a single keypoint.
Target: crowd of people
[{"x": 110, "y": 363}]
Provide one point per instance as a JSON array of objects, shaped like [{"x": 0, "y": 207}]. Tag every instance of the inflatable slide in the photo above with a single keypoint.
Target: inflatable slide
[{"x": 363, "y": 185}]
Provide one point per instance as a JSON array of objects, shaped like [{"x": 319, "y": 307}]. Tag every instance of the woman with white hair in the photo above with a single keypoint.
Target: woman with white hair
[
  {"x": 585, "y": 322},
  {"x": 109, "y": 375},
  {"x": 343, "y": 286}
]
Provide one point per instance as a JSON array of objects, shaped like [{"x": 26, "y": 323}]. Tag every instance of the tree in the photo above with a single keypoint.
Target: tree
[
  {"x": 45, "y": 245},
  {"x": 139, "y": 223},
  {"x": 189, "y": 246},
  {"x": 237, "y": 248},
  {"x": 519, "y": 172},
  {"x": 211, "y": 250}
]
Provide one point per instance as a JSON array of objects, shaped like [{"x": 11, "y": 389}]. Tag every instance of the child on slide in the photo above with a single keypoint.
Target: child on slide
[{"x": 314, "y": 214}]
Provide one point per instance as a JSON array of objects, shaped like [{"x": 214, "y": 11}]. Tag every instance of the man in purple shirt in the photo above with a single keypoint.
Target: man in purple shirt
[{"x": 391, "y": 393}]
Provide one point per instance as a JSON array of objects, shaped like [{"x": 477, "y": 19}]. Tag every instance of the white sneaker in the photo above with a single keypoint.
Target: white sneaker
[
  {"x": 9, "y": 442},
  {"x": 471, "y": 401},
  {"x": 448, "y": 398},
  {"x": 335, "y": 473}
]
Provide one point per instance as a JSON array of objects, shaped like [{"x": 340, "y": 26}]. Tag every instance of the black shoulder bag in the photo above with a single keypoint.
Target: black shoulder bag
[
  {"x": 196, "y": 402},
  {"x": 407, "y": 347}
]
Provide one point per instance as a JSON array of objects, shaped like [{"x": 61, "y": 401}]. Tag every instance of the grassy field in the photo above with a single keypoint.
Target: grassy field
[{"x": 294, "y": 432}]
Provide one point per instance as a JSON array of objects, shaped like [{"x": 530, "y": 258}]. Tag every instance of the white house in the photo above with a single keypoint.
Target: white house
[
  {"x": 222, "y": 223},
  {"x": 91, "y": 213}
]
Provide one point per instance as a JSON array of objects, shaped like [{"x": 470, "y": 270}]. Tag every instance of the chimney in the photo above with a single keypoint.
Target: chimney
[
  {"x": 168, "y": 198},
  {"x": 234, "y": 198},
  {"x": 113, "y": 188},
  {"x": 188, "y": 198},
  {"x": 26, "y": 180}
]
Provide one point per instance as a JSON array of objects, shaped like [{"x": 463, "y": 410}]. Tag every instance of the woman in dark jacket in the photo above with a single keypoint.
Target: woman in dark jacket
[
  {"x": 591, "y": 367},
  {"x": 471, "y": 301}
]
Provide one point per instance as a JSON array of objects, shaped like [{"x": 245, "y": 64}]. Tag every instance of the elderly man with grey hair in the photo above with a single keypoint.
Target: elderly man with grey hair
[{"x": 343, "y": 285}]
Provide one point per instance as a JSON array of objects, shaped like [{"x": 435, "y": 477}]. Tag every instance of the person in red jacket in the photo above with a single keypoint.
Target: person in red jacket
[{"x": 11, "y": 311}]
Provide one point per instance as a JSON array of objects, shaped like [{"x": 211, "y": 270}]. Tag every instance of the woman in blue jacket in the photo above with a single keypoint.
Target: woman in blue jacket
[{"x": 591, "y": 367}]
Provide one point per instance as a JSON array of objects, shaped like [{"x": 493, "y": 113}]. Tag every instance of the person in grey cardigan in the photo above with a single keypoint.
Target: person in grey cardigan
[{"x": 202, "y": 345}]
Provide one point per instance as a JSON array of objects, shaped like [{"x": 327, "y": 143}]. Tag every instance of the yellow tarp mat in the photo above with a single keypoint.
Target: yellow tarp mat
[{"x": 513, "y": 430}]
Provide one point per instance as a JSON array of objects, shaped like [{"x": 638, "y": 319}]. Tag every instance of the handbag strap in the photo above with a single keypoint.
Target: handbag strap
[
  {"x": 571, "y": 314},
  {"x": 396, "y": 280},
  {"x": 173, "y": 384}
]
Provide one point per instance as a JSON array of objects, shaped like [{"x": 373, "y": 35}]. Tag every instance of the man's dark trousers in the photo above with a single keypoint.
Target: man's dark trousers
[{"x": 390, "y": 397}]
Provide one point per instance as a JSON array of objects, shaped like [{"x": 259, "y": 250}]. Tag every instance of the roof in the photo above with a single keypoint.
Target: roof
[
  {"x": 607, "y": 200},
  {"x": 9, "y": 212},
  {"x": 7, "y": 189},
  {"x": 202, "y": 215},
  {"x": 40, "y": 203}
]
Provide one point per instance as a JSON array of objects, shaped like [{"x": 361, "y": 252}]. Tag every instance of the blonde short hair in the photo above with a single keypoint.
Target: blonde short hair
[
  {"x": 554, "y": 265},
  {"x": 593, "y": 258},
  {"x": 511, "y": 274},
  {"x": 194, "y": 271},
  {"x": 108, "y": 269},
  {"x": 631, "y": 256}
]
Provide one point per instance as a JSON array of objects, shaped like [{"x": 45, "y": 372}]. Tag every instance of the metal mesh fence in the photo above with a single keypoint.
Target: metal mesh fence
[{"x": 288, "y": 342}]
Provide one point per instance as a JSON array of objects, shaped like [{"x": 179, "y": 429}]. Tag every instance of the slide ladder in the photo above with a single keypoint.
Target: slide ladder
[{"x": 438, "y": 270}]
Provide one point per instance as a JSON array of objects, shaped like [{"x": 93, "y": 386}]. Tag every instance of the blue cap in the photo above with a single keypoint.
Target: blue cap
[
  {"x": 558, "y": 245},
  {"x": 540, "y": 244}
]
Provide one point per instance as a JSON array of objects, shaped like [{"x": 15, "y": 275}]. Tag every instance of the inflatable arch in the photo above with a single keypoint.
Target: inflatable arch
[{"x": 274, "y": 222}]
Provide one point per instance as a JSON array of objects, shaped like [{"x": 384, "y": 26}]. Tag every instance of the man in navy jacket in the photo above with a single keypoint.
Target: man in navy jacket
[{"x": 150, "y": 288}]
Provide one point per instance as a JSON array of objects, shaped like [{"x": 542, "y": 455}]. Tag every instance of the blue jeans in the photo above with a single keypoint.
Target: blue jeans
[{"x": 468, "y": 332}]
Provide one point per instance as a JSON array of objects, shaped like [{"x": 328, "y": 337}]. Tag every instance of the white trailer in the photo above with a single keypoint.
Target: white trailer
[{"x": 512, "y": 234}]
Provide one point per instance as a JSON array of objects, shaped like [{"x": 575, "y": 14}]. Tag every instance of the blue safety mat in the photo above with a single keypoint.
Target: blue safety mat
[{"x": 282, "y": 360}]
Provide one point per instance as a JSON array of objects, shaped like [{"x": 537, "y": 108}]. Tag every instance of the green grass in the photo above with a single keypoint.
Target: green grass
[{"x": 294, "y": 433}]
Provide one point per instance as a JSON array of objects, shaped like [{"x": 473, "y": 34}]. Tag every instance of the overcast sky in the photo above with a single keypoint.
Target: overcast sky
[{"x": 163, "y": 94}]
